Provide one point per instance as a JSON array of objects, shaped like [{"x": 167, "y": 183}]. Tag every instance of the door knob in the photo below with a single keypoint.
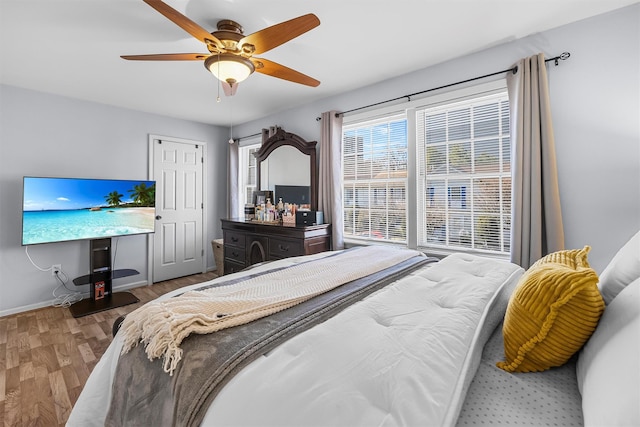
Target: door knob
[{"x": 158, "y": 217}]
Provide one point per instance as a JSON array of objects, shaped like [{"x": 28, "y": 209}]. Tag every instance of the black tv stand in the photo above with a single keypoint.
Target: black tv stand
[{"x": 100, "y": 279}]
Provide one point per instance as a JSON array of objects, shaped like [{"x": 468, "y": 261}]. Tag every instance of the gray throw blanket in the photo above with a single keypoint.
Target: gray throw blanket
[{"x": 143, "y": 394}]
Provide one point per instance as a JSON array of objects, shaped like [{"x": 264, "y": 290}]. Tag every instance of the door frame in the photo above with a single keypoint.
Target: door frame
[{"x": 151, "y": 236}]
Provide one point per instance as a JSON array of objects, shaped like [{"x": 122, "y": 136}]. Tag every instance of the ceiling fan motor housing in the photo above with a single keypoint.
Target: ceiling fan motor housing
[{"x": 230, "y": 33}]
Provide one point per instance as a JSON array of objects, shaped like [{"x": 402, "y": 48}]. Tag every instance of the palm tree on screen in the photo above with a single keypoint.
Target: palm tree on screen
[
  {"x": 114, "y": 198},
  {"x": 143, "y": 195}
]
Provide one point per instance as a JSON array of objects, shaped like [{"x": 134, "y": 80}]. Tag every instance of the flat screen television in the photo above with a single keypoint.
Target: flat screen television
[
  {"x": 65, "y": 209},
  {"x": 296, "y": 194}
]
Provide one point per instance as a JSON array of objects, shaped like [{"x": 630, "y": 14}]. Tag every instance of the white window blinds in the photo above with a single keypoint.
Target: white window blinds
[
  {"x": 375, "y": 179},
  {"x": 464, "y": 181}
]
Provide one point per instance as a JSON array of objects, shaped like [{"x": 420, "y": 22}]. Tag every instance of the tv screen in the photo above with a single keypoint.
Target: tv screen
[
  {"x": 64, "y": 209},
  {"x": 297, "y": 194}
]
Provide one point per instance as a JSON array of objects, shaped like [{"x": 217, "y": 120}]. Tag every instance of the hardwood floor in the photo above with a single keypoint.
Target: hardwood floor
[{"x": 46, "y": 356}]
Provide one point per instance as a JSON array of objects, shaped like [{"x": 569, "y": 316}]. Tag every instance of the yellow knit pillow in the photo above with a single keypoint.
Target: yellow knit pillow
[
  {"x": 552, "y": 312},
  {"x": 572, "y": 258}
]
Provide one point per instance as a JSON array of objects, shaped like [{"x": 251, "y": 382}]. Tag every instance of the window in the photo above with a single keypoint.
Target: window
[
  {"x": 375, "y": 180},
  {"x": 247, "y": 174},
  {"x": 460, "y": 182},
  {"x": 464, "y": 181}
]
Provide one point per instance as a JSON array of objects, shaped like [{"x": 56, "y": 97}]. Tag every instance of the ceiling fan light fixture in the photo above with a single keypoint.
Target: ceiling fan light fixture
[{"x": 229, "y": 68}]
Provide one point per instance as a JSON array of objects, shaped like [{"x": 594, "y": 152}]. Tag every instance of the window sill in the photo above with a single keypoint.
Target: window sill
[{"x": 429, "y": 251}]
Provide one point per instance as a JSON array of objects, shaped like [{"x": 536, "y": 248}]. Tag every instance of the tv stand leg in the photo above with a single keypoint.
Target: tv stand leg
[{"x": 100, "y": 281}]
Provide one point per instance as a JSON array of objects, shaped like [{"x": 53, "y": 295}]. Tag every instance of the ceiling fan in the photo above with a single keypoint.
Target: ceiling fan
[{"x": 230, "y": 58}]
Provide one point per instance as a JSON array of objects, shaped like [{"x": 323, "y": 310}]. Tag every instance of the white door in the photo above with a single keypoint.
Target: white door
[{"x": 178, "y": 248}]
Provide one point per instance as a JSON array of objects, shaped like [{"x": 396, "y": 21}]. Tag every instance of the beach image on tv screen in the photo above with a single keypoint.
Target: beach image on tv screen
[{"x": 63, "y": 209}]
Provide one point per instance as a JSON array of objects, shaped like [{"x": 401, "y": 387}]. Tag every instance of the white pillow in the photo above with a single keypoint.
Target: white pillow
[
  {"x": 623, "y": 269},
  {"x": 608, "y": 367}
]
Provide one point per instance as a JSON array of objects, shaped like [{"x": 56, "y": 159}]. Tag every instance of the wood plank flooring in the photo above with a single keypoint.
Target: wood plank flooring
[{"x": 46, "y": 356}]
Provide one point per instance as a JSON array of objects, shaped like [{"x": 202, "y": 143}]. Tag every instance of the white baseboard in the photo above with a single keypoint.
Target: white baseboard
[{"x": 49, "y": 303}]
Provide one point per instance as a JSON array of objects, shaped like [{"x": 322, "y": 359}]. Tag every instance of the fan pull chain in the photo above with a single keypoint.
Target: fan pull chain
[
  {"x": 219, "y": 82},
  {"x": 231, "y": 141}
]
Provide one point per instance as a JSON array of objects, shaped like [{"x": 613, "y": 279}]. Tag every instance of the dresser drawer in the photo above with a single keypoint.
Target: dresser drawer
[
  {"x": 232, "y": 267},
  {"x": 234, "y": 254},
  {"x": 283, "y": 248},
  {"x": 233, "y": 238}
]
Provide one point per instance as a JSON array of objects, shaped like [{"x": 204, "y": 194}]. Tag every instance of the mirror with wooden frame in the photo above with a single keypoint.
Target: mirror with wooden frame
[{"x": 287, "y": 160}]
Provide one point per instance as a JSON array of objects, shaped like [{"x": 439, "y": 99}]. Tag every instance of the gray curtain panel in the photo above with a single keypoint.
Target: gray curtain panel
[
  {"x": 234, "y": 187},
  {"x": 536, "y": 216},
  {"x": 330, "y": 177}
]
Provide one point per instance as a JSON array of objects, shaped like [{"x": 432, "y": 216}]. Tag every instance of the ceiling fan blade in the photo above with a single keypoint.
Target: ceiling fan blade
[
  {"x": 274, "y": 69},
  {"x": 278, "y": 34},
  {"x": 167, "y": 57},
  {"x": 185, "y": 23},
  {"x": 229, "y": 89}
]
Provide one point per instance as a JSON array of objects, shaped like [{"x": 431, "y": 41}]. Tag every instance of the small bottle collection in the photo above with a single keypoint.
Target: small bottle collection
[{"x": 284, "y": 213}]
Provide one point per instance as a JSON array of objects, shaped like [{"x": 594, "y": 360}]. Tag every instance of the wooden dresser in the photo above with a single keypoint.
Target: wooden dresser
[{"x": 249, "y": 242}]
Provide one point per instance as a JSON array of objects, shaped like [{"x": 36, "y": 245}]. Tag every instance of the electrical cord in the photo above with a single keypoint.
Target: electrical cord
[
  {"x": 26, "y": 251},
  {"x": 66, "y": 299},
  {"x": 62, "y": 300}
]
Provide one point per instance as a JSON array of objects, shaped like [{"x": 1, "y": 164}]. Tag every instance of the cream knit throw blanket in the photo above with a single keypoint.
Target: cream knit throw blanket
[{"x": 162, "y": 325}]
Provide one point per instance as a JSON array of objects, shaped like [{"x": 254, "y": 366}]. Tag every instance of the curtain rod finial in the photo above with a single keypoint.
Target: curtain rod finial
[{"x": 563, "y": 56}]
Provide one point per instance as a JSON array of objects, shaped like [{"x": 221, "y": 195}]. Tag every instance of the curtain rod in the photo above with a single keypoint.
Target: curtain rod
[
  {"x": 248, "y": 136},
  {"x": 556, "y": 59},
  {"x": 563, "y": 56}
]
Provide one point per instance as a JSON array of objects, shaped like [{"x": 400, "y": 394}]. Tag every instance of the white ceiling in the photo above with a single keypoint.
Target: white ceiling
[{"x": 73, "y": 47}]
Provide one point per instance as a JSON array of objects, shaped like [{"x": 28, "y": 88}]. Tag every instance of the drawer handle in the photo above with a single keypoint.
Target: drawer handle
[
  {"x": 234, "y": 239},
  {"x": 283, "y": 248}
]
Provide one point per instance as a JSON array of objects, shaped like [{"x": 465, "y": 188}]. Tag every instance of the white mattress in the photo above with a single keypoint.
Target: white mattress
[{"x": 403, "y": 356}]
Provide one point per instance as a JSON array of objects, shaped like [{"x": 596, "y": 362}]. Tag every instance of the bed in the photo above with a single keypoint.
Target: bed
[{"x": 415, "y": 343}]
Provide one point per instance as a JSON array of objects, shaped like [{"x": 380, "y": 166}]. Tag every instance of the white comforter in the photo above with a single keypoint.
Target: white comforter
[{"x": 403, "y": 356}]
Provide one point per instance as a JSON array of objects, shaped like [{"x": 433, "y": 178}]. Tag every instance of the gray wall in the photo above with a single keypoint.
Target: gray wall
[
  {"x": 49, "y": 135},
  {"x": 595, "y": 99}
]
